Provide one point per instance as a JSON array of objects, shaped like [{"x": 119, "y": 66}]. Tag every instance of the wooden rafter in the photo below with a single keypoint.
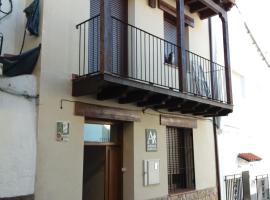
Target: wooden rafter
[{"x": 170, "y": 10}]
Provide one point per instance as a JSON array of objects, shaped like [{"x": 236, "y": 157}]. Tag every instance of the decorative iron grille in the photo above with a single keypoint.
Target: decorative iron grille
[
  {"x": 262, "y": 185},
  {"x": 180, "y": 159},
  {"x": 234, "y": 187}
]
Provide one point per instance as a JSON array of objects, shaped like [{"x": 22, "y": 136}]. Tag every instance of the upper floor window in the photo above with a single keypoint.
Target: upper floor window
[
  {"x": 170, "y": 35},
  {"x": 181, "y": 175}
]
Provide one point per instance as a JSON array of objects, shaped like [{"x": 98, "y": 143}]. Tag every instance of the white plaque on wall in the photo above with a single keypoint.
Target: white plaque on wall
[
  {"x": 151, "y": 140},
  {"x": 62, "y": 131}
]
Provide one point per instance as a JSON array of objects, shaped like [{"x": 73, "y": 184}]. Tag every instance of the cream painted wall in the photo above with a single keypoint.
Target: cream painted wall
[
  {"x": 204, "y": 155},
  {"x": 199, "y": 37},
  {"x": 153, "y": 68},
  {"x": 149, "y": 121},
  {"x": 60, "y": 165}
]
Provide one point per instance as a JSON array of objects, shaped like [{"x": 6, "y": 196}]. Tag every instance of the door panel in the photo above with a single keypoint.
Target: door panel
[
  {"x": 114, "y": 177},
  {"x": 94, "y": 172}
]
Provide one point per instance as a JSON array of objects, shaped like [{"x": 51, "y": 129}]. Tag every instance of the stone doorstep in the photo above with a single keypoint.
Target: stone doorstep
[
  {"x": 27, "y": 197},
  {"x": 206, "y": 194}
]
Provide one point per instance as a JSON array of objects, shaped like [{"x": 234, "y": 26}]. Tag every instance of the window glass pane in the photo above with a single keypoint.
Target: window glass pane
[{"x": 97, "y": 133}]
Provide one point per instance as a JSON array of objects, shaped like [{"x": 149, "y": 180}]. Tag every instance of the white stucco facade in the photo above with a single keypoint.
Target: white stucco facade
[
  {"x": 18, "y": 113},
  {"x": 246, "y": 129},
  {"x": 18, "y": 136}
]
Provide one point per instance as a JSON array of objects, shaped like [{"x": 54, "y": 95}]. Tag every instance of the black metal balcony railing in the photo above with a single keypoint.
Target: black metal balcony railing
[{"x": 142, "y": 56}]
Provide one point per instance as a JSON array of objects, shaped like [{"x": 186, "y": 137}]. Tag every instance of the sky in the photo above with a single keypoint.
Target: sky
[{"x": 257, "y": 16}]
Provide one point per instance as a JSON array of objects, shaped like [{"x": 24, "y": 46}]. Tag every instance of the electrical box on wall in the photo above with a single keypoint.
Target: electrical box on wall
[{"x": 151, "y": 172}]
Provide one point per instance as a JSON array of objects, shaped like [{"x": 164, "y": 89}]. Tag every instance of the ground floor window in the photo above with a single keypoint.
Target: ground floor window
[{"x": 181, "y": 176}]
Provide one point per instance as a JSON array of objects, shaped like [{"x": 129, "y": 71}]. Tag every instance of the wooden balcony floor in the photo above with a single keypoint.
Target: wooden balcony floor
[{"x": 108, "y": 86}]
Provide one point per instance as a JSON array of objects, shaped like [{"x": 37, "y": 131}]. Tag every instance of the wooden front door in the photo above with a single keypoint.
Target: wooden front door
[
  {"x": 114, "y": 174},
  {"x": 102, "y": 176}
]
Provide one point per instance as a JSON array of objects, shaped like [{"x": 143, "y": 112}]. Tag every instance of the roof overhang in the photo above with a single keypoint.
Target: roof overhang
[{"x": 249, "y": 157}]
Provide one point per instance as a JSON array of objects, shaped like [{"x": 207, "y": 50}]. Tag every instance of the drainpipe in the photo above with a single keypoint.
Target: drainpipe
[
  {"x": 214, "y": 119},
  {"x": 217, "y": 158}
]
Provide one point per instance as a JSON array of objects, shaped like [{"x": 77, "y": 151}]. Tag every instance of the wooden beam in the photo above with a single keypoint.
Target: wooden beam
[
  {"x": 180, "y": 8},
  {"x": 156, "y": 99},
  {"x": 178, "y": 121},
  {"x": 227, "y": 59},
  {"x": 213, "y": 111},
  {"x": 212, "y": 69},
  {"x": 197, "y": 7},
  {"x": 86, "y": 85},
  {"x": 170, "y": 10},
  {"x": 199, "y": 108},
  {"x": 170, "y": 103},
  {"x": 184, "y": 105},
  {"x": 190, "y": 1},
  {"x": 103, "y": 112},
  {"x": 105, "y": 36},
  {"x": 133, "y": 96},
  {"x": 204, "y": 14},
  {"x": 111, "y": 92},
  {"x": 152, "y": 3},
  {"x": 214, "y": 6}
]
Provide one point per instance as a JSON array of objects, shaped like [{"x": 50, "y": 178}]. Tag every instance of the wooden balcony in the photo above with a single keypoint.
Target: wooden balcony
[{"x": 146, "y": 70}]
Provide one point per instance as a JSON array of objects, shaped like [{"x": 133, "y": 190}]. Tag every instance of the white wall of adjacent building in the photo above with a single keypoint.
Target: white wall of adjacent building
[
  {"x": 18, "y": 115},
  {"x": 18, "y": 136},
  {"x": 246, "y": 129}
]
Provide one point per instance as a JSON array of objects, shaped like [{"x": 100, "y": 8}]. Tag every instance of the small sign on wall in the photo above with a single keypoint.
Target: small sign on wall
[
  {"x": 151, "y": 140},
  {"x": 63, "y": 133}
]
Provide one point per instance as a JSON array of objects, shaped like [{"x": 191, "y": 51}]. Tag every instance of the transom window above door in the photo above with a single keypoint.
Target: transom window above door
[
  {"x": 102, "y": 133},
  {"x": 97, "y": 132}
]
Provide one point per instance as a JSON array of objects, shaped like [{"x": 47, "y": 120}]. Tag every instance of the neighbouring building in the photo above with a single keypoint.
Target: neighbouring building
[
  {"x": 243, "y": 135},
  {"x": 127, "y": 92}
]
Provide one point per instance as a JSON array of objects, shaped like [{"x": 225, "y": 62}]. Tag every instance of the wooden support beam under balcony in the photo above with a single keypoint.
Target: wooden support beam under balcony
[
  {"x": 153, "y": 100},
  {"x": 209, "y": 8},
  {"x": 199, "y": 109},
  {"x": 197, "y": 7},
  {"x": 180, "y": 10},
  {"x": 111, "y": 92},
  {"x": 170, "y": 104},
  {"x": 156, "y": 97},
  {"x": 133, "y": 96}
]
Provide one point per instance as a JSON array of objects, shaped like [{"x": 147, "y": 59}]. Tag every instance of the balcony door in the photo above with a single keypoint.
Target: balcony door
[
  {"x": 171, "y": 51},
  {"x": 119, "y": 12}
]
